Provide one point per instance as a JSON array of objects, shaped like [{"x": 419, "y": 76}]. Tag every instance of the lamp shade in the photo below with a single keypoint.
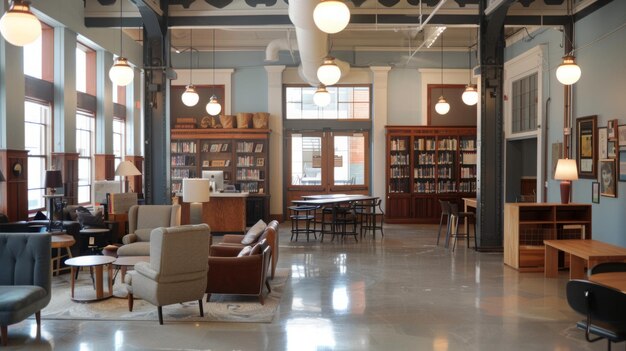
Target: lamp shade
[
  {"x": 321, "y": 97},
  {"x": 53, "y": 179},
  {"x": 566, "y": 170},
  {"x": 190, "y": 97},
  {"x": 213, "y": 107},
  {"x": 127, "y": 168},
  {"x": 18, "y": 25},
  {"x": 196, "y": 189},
  {"x": 329, "y": 73},
  {"x": 1, "y": 177},
  {"x": 568, "y": 72},
  {"x": 331, "y": 16},
  {"x": 121, "y": 74},
  {"x": 470, "y": 95},
  {"x": 442, "y": 107}
]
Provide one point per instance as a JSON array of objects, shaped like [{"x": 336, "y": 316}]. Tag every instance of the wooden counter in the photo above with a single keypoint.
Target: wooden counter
[{"x": 224, "y": 213}]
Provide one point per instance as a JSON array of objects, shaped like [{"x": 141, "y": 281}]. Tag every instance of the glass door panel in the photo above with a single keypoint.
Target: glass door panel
[
  {"x": 306, "y": 159},
  {"x": 349, "y": 159}
]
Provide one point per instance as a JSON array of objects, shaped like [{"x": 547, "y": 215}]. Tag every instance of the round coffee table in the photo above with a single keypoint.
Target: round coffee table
[
  {"x": 123, "y": 263},
  {"x": 97, "y": 263}
]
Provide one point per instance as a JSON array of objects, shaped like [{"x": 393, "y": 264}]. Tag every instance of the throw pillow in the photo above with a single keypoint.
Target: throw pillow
[
  {"x": 245, "y": 251},
  {"x": 254, "y": 232},
  {"x": 87, "y": 220}
]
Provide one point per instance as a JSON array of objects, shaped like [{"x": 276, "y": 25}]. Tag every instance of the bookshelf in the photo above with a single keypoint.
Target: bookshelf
[{"x": 426, "y": 164}]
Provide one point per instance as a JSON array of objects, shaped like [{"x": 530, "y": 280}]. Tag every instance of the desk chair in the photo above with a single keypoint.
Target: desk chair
[
  {"x": 604, "y": 309},
  {"x": 607, "y": 267},
  {"x": 445, "y": 212},
  {"x": 455, "y": 217}
]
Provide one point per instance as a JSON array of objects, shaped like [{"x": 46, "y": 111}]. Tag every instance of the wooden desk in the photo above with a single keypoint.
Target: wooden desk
[
  {"x": 468, "y": 202},
  {"x": 224, "y": 213},
  {"x": 615, "y": 280},
  {"x": 582, "y": 253}
]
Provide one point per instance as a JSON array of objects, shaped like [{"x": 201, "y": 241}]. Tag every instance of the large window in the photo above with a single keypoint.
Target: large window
[
  {"x": 84, "y": 145},
  {"x": 36, "y": 129},
  {"x": 85, "y": 69},
  {"x": 118, "y": 141},
  {"x": 524, "y": 102},
  {"x": 347, "y": 102}
]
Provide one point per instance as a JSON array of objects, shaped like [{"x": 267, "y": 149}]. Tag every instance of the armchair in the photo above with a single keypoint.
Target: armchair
[
  {"x": 141, "y": 220},
  {"x": 177, "y": 271},
  {"x": 231, "y": 271},
  {"x": 24, "y": 278}
]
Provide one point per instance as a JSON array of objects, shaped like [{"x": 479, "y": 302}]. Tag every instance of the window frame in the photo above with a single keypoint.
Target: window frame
[
  {"x": 89, "y": 159},
  {"x": 45, "y": 147}
]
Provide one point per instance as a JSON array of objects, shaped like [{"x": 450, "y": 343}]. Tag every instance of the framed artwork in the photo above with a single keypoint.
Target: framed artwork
[
  {"x": 611, "y": 127},
  {"x": 260, "y": 162},
  {"x": 621, "y": 135},
  {"x": 602, "y": 143},
  {"x": 586, "y": 143},
  {"x": 622, "y": 165},
  {"x": 205, "y": 163},
  {"x": 608, "y": 185},
  {"x": 611, "y": 149},
  {"x": 595, "y": 192}
]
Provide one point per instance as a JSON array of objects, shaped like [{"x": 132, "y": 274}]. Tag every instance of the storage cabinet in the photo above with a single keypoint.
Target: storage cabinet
[
  {"x": 527, "y": 225},
  {"x": 425, "y": 165},
  {"x": 242, "y": 154}
]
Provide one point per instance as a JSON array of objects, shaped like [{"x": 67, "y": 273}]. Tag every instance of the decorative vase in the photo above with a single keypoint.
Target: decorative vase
[{"x": 260, "y": 120}]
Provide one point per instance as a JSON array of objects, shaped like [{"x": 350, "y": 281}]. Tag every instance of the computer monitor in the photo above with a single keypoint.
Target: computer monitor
[{"x": 217, "y": 177}]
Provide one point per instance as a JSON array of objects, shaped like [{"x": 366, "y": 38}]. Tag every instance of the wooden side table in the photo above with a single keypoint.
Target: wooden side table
[{"x": 60, "y": 242}]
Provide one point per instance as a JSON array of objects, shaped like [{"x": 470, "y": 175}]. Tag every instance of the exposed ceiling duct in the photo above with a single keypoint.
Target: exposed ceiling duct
[{"x": 312, "y": 42}]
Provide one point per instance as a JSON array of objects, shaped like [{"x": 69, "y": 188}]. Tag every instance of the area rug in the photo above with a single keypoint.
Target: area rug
[{"x": 221, "y": 308}]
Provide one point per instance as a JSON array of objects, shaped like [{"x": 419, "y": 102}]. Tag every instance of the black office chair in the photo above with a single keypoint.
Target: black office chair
[
  {"x": 603, "y": 307},
  {"x": 607, "y": 267},
  {"x": 445, "y": 212},
  {"x": 455, "y": 217}
]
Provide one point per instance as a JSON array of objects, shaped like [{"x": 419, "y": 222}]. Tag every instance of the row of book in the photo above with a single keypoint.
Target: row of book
[
  {"x": 468, "y": 158},
  {"x": 215, "y": 147},
  {"x": 183, "y": 160},
  {"x": 249, "y": 146},
  {"x": 183, "y": 146},
  {"x": 399, "y": 159},
  {"x": 398, "y": 144},
  {"x": 252, "y": 187},
  {"x": 250, "y": 174},
  {"x": 183, "y": 173}
]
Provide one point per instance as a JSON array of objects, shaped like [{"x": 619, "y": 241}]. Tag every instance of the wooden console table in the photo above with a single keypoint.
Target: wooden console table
[
  {"x": 582, "y": 253},
  {"x": 224, "y": 213}
]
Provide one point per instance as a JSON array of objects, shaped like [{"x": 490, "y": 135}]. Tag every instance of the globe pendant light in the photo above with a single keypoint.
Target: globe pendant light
[
  {"x": 321, "y": 97},
  {"x": 331, "y": 16},
  {"x": 442, "y": 107},
  {"x": 18, "y": 25},
  {"x": 121, "y": 74},
  {"x": 568, "y": 72},
  {"x": 190, "y": 97},
  {"x": 328, "y": 73},
  {"x": 213, "y": 107},
  {"x": 470, "y": 95}
]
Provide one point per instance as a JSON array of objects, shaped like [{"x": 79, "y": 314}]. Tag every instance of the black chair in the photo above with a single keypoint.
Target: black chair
[
  {"x": 306, "y": 215},
  {"x": 372, "y": 217},
  {"x": 456, "y": 217},
  {"x": 445, "y": 212},
  {"x": 343, "y": 221},
  {"x": 607, "y": 267},
  {"x": 604, "y": 309}
]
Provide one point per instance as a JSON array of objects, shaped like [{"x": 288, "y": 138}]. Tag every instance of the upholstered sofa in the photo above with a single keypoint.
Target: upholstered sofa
[
  {"x": 269, "y": 232},
  {"x": 24, "y": 278},
  {"x": 142, "y": 219}
]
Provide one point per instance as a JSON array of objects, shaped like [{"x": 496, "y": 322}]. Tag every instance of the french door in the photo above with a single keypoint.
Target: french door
[{"x": 323, "y": 162}]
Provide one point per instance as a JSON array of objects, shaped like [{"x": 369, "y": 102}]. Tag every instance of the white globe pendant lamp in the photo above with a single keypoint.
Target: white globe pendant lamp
[
  {"x": 329, "y": 73},
  {"x": 568, "y": 72},
  {"x": 213, "y": 107},
  {"x": 121, "y": 74},
  {"x": 331, "y": 16},
  {"x": 470, "y": 95},
  {"x": 18, "y": 25},
  {"x": 442, "y": 107},
  {"x": 321, "y": 97},
  {"x": 190, "y": 97}
]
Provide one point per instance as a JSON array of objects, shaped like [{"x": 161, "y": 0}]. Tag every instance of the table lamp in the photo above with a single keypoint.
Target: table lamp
[
  {"x": 566, "y": 171},
  {"x": 53, "y": 180},
  {"x": 197, "y": 190},
  {"x": 125, "y": 169}
]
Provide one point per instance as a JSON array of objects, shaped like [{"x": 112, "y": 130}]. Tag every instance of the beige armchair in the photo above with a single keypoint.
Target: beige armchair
[
  {"x": 141, "y": 220},
  {"x": 177, "y": 271}
]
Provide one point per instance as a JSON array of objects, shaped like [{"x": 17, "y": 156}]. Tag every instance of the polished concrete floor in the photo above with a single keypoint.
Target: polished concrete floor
[{"x": 398, "y": 293}]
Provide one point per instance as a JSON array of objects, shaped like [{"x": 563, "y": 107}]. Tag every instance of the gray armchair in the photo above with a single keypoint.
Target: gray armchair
[
  {"x": 177, "y": 271},
  {"x": 141, "y": 220},
  {"x": 24, "y": 278}
]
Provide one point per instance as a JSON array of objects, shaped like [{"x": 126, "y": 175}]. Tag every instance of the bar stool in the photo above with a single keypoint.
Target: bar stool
[
  {"x": 302, "y": 214},
  {"x": 372, "y": 217},
  {"x": 455, "y": 216},
  {"x": 60, "y": 242},
  {"x": 445, "y": 212}
]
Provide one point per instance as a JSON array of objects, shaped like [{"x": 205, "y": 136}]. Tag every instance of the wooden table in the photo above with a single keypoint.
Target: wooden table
[
  {"x": 224, "y": 213},
  {"x": 467, "y": 203},
  {"x": 59, "y": 242},
  {"x": 583, "y": 253},
  {"x": 615, "y": 280},
  {"x": 96, "y": 262}
]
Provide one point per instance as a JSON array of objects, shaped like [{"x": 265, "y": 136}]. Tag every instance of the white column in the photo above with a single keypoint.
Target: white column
[
  {"x": 379, "y": 120},
  {"x": 134, "y": 128},
  {"x": 104, "y": 96},
  {"x": 11, "y": 95},
  {"x": 275, "y": 109},
  {"x": 64, "y": 90}
]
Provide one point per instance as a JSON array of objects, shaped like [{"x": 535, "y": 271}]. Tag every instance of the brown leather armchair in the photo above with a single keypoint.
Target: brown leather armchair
[
  {"x": 270, "y": 234},
  {"x": 245, "y": 275}
]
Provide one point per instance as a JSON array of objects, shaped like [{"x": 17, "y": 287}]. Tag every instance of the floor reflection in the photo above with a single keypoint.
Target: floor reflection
[{"x": 310, "y": 334}]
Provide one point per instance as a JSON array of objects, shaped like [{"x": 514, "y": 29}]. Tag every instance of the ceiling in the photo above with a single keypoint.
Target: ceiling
[{"x": 375, "y": 24}]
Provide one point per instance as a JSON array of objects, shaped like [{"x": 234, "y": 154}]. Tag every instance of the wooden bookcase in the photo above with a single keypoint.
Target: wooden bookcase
[
  {"x": 424, "y": 165},
  {"x": 527, "y": 225},
  {"x": 242, "y": 154}
]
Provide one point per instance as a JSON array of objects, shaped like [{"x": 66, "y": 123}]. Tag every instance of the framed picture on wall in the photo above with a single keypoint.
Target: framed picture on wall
[
  {"x": 621, "y": 135},
  {"x": 595, "y": 192},
  {"x": 611, "y": 149},
  {"x": 608, "y": 185},
  {"x": 622, "y": 165},
  {"x": 587, "y": 146},
  {"x": 611, "y": 127},
  {"x": 602, "y": 142}
]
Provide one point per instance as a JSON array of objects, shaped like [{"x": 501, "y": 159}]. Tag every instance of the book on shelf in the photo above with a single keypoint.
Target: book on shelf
[
  {"x": 186, "y": 120},
  {"x": 258, "y": 148},
  {"x": 224, "y": 147},
  {"x": 184, "y": 126},
  {"x": 215, "y": 147}
]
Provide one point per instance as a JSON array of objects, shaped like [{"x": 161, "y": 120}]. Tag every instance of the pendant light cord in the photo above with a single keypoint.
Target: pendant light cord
[
  {"x": 442, "y": 64},
  {"x": 121, "y": 45},
  {"x": 190, "y": 55},
  {"x": 469, "y": 59},
  {"x": 213, "y": 61}
]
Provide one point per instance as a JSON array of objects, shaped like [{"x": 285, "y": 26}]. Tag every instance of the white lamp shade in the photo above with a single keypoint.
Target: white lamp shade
[
  {"x": 121, "y": 74},
  {"x": 127, "y": 168},
  {"x": 19, "y": 26},
  {"x": 331, "y": 16},
  {"x": 190, "y": 97},
  {"x": 566, "y": 170},
  {"x": 196, "y": 190},
  {"x": 568, "y": 72},
  {"x": 328, "y": 73},
  {"x": 470, "y": 95},
  {"x": 321, "y": 97},
  {"x": 213, "y": 107},
  {"x": 442, "y": 107}
]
